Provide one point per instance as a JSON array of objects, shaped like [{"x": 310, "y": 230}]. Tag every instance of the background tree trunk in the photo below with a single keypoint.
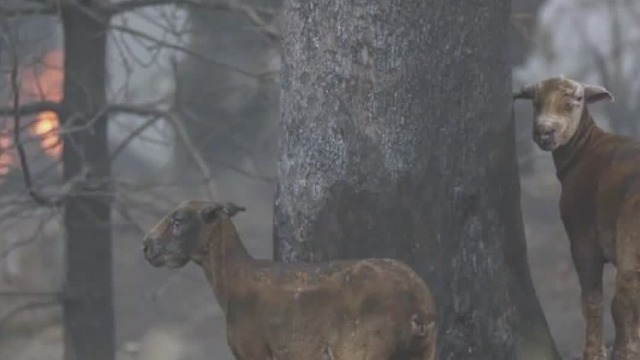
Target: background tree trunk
[
  {"x": 398, "y": 142},
  {"x": 88, "y": 306},
  {"x": 231, "y": 113},
  {"x": 523, "y": 20},
  {"x": 524, "y": 14}
]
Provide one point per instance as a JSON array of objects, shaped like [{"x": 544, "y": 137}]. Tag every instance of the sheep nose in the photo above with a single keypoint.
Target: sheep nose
[
  {"x": 545, "y": 131},
  {"x": 147, "y": 249},
  {"x": 546, "y": 134}
]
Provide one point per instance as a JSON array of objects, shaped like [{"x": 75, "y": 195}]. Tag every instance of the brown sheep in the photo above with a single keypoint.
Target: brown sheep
[
  {"x": 375, "y": 309},
  {"x": 599, "y": 205}
]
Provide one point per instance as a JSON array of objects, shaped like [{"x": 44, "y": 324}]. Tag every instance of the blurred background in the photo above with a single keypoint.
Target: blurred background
[{"x": 195, "y": 115}]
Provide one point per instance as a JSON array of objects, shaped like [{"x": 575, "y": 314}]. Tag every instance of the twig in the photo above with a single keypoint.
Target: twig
[
  {"x": 187, "y": 51},
  {"x": 196, "y": 156},
  {"x": 151, "y": 206},
  {"x": 27, "y": 11},
  {"x": 142, "y": 110},
  {"x": 126, "y": 215},
  {"x": 30, "y": 293},
  {"x": 217, "y": 129},
  {"x": 32, "y": 108},
  {"x": 183, "y": 135},
  {"x": 185, "y": 138},
  {"x": 131, "y": 5},
  {"x": 29, "y": 240},
  {"x": 190, "y": 144},
  {"x": 29, "y": 306},
  {"x": 132, "y": 135}
]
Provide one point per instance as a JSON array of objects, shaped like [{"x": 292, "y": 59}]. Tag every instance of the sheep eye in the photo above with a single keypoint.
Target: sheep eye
[
  {"x": 578, "y": 98},
  {"x": 176, "y": 223}
]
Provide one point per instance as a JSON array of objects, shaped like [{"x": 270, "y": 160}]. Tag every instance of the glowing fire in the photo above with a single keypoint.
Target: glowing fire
[
  {"x": 46, "y": 84},
  {"x": 37, "y": 83},
  {"x": 46, "y": 127},
  {"x": 6, "y": 158}
]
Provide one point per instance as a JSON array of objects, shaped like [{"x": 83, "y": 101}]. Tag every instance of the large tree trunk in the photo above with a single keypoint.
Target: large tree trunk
[
  {"x": 88, "y": 306},
  {"x": 398, "y": 142}
]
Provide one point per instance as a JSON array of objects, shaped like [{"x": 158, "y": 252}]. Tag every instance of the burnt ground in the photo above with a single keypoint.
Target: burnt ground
[{"x": 172, "y": 315}]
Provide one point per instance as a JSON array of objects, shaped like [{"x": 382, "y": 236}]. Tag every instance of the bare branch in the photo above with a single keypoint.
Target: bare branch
[
  {"x": 29, "y": 294},
  {"x": 247, "y": 11},
  {"x": 29, "y": 306},
  {"x": 132, "y": 135},
  {"x": 27, "y": 11},
  {"x": 237, "y": 141},
  {"x": 31, "y": 109},
  {"x": 191, "y": 147},
  {"x": 180, "y": 130},
  {"x": 125, "y": 6},
  {"x": 194, "y": 152},
  {"x": 126, "y": 214},
  {"x": 187, "y": 51},
  {"x": 30, "y": 240},
  {"x": 183, "y": 135},
  {"x": 269, "y": 30},
  {"x": 131, "y": 196}
]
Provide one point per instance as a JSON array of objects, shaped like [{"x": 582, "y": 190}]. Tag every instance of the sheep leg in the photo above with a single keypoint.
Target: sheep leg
[
  {"x": 589, "y": 264},
  {"x": 625, "y": 312},
  {"x": 625, "y": 308}
]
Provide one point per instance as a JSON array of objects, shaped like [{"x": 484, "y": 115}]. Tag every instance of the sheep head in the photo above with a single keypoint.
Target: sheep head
[
  {"x": 558, "y": 104},
  {"x": 183, "y": 233}
]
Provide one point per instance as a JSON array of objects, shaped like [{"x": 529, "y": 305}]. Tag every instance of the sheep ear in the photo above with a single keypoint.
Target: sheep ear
[
  {"x": 526, "y": 92},
  {"x": 232, "y": 209},
  {"x": 595, "y": 93},
  {"x": 209, "y": 213}
]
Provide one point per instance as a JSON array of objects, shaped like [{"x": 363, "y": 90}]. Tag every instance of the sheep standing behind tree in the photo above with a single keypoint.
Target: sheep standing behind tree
[
  {"x": 373, "y": 309},
  {"x": 599, "y": 205}
]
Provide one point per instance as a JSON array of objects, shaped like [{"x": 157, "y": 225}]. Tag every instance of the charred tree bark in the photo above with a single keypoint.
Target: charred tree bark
[
  {"x": 398, "y": 142},
  {"x": 88, "y": 306}
]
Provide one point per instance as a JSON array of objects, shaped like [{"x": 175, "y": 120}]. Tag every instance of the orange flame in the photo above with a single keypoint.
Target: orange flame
[
  {"x": 6, "y": 158},
  {"x": 46, "y": 85},
  {"x": 38, "y": 83},
  {"x": 46, "y": 127}
]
